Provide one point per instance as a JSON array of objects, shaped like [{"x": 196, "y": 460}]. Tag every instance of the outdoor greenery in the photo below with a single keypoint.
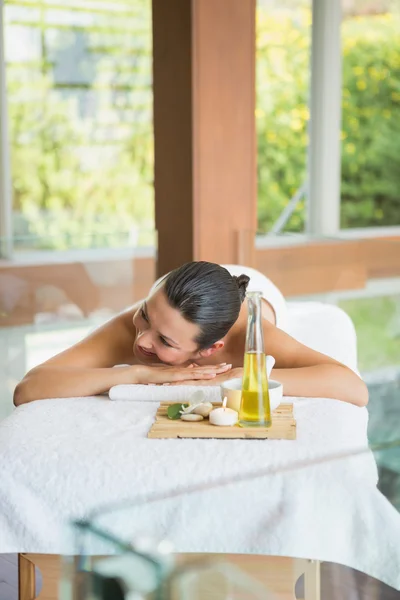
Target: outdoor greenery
[
  {"x": 377, "y": 322},
  {"x": 81, "y": 133},
  {"x": 80, "y": 130},
  {"x": 371, "y": 117}
]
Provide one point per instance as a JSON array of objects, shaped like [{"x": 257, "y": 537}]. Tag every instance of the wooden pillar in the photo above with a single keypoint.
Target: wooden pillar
[{"x": 204, "y": 126}]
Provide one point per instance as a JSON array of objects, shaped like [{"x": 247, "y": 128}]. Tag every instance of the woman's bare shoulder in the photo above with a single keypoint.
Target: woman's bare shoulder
[{"x": 109, "y": 345}]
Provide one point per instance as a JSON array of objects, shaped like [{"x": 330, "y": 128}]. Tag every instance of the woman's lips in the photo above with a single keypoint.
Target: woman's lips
[{"x": 146, "y": 352}]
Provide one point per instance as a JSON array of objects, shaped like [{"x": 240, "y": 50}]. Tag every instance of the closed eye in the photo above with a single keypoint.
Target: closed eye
[
  {"x": 164, "y": 341},
  {"x": 144, "y": 316}
]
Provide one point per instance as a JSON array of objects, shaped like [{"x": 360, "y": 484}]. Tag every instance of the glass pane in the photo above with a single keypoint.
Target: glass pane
[
  {"x": 374, "y": 309},
  {"x": 283, "y": 74},
  {"x": 169, "y": 577},
  {"x": 47, "y": 305},
  {"x": 80, "y": 113},
  {"x": 251, "y": 511},
  {"x": 371, "y": 110}
]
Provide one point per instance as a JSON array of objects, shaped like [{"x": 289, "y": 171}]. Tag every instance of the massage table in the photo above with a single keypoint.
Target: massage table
[{"x": 71, "y": 459}]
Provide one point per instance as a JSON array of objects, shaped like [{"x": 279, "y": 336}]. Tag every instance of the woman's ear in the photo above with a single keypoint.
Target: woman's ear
[{"x": 212, "y": 349}]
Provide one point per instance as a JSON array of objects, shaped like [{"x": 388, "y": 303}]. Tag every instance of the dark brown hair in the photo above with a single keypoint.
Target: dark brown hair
[{"x": 206, "y": 294}]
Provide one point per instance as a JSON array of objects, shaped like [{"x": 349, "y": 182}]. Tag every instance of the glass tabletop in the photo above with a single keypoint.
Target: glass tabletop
[{"x": 249, "y": 532}]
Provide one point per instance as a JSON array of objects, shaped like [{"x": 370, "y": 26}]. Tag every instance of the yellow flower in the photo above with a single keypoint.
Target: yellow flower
[
  {"x": 260, "y": 113},
  {"x": 271, "y": 136},
  {"x": 343, "y": 135},
  {"x": 350, "y": 148},
  {"x": 304, "y": 113},
  {"x": 375, "y": 74},
  {"x": 296, "y": 124},
  {"x": 361, "y": 84},
  {"x": 307, "y": 18},
  {"x": 350, "y": 43},
  {"x": 358, "y": 71}
]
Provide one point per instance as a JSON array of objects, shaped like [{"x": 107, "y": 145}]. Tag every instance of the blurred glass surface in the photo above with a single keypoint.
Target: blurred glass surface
[
  {"x": 52, "y": 301},
  {"x": 80, "y": 123},
  {"x": 137, "y": 544},
  {"x": 370, "y": 114},
  {"x": 370, "y": 135},
  {"x": 282, "y": 112}
]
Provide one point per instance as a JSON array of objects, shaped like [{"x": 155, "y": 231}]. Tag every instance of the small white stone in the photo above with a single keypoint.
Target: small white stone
[
  {"x": 191, "y": 417},
  {"x": 203, "y": 409}
]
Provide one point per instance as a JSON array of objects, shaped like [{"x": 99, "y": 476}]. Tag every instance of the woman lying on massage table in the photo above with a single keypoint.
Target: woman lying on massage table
[{"x": 190, "y": 329}]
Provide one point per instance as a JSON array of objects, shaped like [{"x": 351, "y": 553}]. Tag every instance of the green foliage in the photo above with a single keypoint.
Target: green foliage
[
  {"x": 282, "y": 113},
  {"x": 63, "y": 204},
  {"x": 84, "y": 180},
  {"x": 377, "y": 322},
  {"x": 371, "y": 118},
  {"x": 174, "y": 411},
  {"x": 371, "y": 122},
  {"x": 72, "y": 188}
]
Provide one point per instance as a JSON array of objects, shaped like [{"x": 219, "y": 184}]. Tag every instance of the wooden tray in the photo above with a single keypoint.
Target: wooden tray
[{"x": 283, "y": 427}]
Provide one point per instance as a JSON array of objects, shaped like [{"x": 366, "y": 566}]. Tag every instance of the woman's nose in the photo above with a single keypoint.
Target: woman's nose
[{"x": 145, "y": 338}]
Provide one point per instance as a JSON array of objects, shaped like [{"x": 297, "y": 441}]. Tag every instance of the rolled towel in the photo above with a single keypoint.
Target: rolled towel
[
  {"x": 163, "y": 393},
  {"x": 170, "y": 393}
]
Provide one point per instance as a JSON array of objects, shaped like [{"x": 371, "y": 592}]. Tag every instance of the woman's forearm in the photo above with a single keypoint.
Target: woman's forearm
[
  {"x": 65, "y": 382},
  {"x": 323, "y": 381},
  {"x": 51, "y": 381}
]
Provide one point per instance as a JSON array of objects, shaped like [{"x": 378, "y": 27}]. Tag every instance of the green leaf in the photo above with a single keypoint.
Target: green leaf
[{"x": 174, "y": 411}]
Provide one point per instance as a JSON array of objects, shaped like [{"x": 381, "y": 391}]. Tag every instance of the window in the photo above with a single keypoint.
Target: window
[
  {"x": 370, "y": 135},
  {"x": 78, "y": 80},
  {"x": 370, "y": 194},
  {"x": 282, "y": 113}
]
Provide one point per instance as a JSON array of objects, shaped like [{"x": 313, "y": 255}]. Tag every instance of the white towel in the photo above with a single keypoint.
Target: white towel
[
  {"x": 174, "y": 393},
  {"x": 62, "y": 459},
  {"x": 161, "y": 393},
  {"x": 325, "y": 328},
  {"x": 260, "y": 283}
]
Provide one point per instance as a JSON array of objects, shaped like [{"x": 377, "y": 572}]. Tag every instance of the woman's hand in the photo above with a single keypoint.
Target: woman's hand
[
  {"x": 162, "y": 374},
  {"x": 231, "y": 374}
]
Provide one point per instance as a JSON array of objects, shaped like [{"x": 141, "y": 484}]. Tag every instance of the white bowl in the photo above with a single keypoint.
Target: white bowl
[{"x": 232, "y": 390}]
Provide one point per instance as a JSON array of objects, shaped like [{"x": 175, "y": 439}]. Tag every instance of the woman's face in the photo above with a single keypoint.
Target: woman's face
[{"x": 162, "y": 334}]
